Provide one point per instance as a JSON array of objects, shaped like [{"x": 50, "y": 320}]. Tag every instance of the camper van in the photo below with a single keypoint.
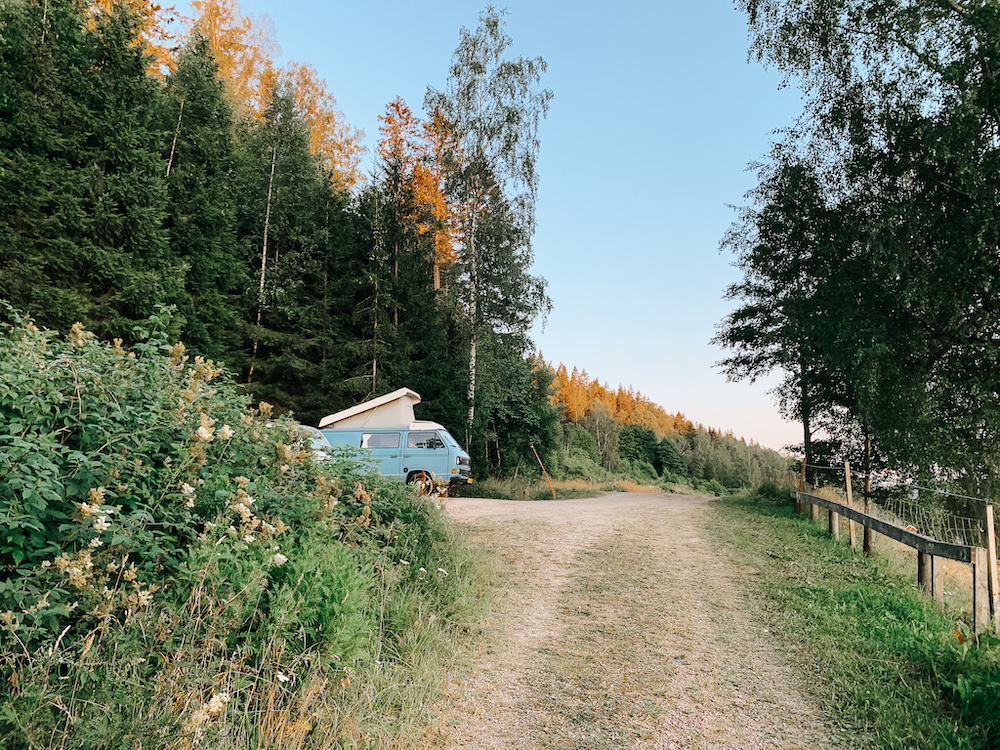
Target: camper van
[{"x": 418, "y": 452}]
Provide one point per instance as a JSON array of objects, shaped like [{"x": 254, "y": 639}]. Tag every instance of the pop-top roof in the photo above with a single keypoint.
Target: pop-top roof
[{"x": 391, "y": 410}]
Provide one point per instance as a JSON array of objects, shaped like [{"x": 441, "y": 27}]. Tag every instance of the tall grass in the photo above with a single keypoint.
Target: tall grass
[{"x": 893, "y": 669}]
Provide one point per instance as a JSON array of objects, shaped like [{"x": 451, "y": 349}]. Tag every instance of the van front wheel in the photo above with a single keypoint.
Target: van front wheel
[{"x": 422, "y": 482}]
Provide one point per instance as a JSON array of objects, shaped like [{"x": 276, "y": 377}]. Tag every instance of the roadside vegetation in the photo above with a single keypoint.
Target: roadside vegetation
[
  {"x": 892, "y": 668},
  {"x": 178, "y": 570}
]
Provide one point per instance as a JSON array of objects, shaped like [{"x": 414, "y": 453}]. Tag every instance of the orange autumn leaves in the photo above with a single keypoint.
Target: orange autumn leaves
[
  {"x": 413, "y": 153},
  {"x": 245, "y": 48},
  {"x": 577, "y": 394}
]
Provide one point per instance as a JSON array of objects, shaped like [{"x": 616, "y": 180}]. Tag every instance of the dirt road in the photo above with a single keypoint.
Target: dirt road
[{"x": 622, "y": 627}]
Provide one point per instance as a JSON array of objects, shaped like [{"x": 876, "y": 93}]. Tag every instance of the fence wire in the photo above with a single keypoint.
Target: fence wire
[{"x": 938, "y": 514}]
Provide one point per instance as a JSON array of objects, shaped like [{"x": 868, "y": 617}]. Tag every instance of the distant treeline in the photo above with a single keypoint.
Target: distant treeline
[{"x": 140, "y": 175}]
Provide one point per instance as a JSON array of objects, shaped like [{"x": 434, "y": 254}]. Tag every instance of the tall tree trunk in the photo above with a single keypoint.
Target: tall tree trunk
[
  {"x": 473, "y": 312},
  {"x": 806, "y": 413},
  {"x": 263, "y": 260},
  {"x": 173, "y": 145}
]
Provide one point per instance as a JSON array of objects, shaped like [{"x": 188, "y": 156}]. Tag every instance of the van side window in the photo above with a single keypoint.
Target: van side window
[
  {"x": 380, "y": 440},
  {"x": 424, "y": 440}
]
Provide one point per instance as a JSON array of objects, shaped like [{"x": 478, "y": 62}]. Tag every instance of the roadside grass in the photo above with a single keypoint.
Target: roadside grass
[
  {"x": 534, "y": 489},
  {"x": 891, "y": 667}
]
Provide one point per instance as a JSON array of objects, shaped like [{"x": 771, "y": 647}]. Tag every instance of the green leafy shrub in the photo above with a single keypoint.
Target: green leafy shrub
[
  {"x": 179, "y": 568},
  {"x": 578, "y": 463}
]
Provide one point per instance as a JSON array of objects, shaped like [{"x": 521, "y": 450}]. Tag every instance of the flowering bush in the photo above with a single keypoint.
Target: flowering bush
[{"x": 183, "y": 555}]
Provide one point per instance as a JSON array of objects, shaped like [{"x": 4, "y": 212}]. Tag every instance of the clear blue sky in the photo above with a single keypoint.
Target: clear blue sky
[{"x": 655, "y": 118}]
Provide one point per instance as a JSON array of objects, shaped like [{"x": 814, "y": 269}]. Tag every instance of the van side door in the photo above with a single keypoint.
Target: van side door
[
  {"x": 385, "y": 448},
  {"x": 425, "y": 451}
]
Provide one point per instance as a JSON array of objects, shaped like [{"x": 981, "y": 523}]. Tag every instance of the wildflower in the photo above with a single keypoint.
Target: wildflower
[
  {"x": 46, "y": 563},
  {"x": 282, "y": 677},
  {"x": 246, "y": 419},
  {"x": 242, "y": 482},
  {"x": 101, "y": 524},
  {"x": 177, "y": 354},
  {"x": 442, "y": 570},
  {"x": 141, "y": 599},
  {"x": 7, "y": 621},
  {"x": 119, "y": 351},
  {"x": 76, "y": 576},
  {"x": 278, "y": 559},
  {"x": 87, "y": 510},
  {"x": 249, "y": 539},
  {"x": 96, "y": 542},
  {"x": 218, "y": 702},
  {"x": 78, "y": 336},
  {"x": 404, "y": 562},
  {"x": 423, "y": 570},
  {"x": 187, "y": 490},
  {"x": 96, "y": 496},
  {"x": 265, "y": 409},
  {"x": 189, "y": 503},
  {"x": 129, "y": 574},
  {"x": 205, "y": 433},
  {"x": 226, "y": 432}
]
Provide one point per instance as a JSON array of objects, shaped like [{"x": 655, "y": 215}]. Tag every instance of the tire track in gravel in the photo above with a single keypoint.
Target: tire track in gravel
[{"x": 621, "y": 627}]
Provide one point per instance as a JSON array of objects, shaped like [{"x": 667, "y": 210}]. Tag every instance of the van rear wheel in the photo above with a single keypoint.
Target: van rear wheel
[{"x": 422, "y": 482}]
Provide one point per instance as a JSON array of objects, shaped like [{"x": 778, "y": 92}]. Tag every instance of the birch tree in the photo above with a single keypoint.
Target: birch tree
[{"x": 495, "y": 105}]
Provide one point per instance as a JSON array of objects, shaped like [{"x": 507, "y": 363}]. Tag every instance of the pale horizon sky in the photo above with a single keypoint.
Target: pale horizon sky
[{"x": 655, "y": 118}]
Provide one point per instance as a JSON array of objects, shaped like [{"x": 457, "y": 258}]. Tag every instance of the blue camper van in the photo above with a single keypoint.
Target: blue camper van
[{"x": 418, "y": 452}]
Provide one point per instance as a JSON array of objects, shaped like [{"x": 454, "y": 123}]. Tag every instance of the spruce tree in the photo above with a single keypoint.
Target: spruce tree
[
  {"x": 201, "y": 213},
  {"x": 82, "y": 188}
]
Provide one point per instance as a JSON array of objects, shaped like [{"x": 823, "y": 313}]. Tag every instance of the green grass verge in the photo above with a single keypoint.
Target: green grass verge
[{"x": 892, "y": 669}]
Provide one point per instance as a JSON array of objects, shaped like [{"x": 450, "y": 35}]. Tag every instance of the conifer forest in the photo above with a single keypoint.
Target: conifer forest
[{"x": 161, "y": 165}]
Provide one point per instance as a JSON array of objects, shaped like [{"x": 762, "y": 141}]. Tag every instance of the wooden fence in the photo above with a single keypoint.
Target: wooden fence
[{"x": 930, "y": 553}]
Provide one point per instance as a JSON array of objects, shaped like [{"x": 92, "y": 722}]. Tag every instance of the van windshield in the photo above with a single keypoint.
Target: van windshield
[{"x": 448, "y": 439}]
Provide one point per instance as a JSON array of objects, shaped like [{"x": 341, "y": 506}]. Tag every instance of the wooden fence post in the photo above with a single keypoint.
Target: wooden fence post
[
  {"x": 925, "y": 572},
  {"x": 834, "y": 519},
  {"x": 937, "y": 578},
  {"x": 867, "y": 540},
  {"x": 980, "y": 589},
  {"x": 850, "y": 504},
  {"x": 991, "y": 553},
  {"x": 814, "y": 512}
]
